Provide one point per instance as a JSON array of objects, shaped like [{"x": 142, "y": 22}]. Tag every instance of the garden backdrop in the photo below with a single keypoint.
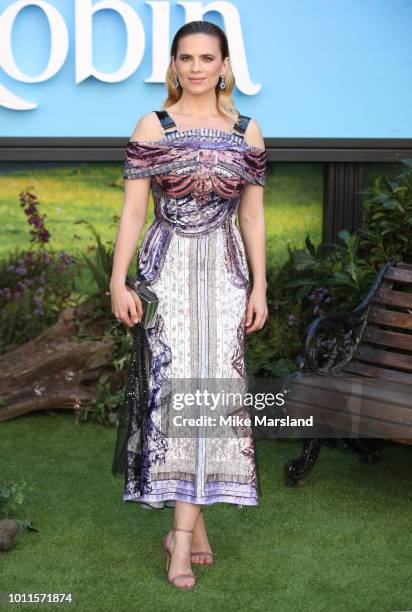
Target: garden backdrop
[{"x": 339, "y": 543}]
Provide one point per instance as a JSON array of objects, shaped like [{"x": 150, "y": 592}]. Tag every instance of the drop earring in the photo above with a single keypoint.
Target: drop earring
[
  {"x": 175, "y": 81},
  {"x": 222, "y": 81}
]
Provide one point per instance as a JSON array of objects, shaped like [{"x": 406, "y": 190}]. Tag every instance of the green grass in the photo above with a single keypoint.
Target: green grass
[
  {"x": 339, "y": 543},
  {"x": 93, "y": 192},
  {"x": 66, "y": 194},
  {"x": 293, "y": 207}
]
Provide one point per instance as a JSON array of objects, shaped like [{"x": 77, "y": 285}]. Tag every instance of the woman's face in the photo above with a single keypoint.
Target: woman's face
[{"x": 198, "y": 57}]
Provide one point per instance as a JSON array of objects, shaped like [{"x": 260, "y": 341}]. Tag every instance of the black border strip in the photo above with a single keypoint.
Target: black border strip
[{"x": 278, "y": 149}]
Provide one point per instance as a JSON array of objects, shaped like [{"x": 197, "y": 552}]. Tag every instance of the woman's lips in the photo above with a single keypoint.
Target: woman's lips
[{"x": 195, "y": 80}]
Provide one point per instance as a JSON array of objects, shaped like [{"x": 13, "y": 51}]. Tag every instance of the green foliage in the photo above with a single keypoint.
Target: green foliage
[
  {"x": 35, "y": 286},
  {"x": 104, "y": 407},
  {"x": 387, "y": 224},
  {"x": 265, "y": 351},
  {"x": 101, "y": 264},
  {"x": 331, "y": 278},
  {"x": 13, "y": 495},
  {"x": 36, "y": 283}
]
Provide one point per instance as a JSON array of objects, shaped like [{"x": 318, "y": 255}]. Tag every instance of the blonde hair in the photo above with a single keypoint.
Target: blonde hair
[{"x": 225, "y": 103}]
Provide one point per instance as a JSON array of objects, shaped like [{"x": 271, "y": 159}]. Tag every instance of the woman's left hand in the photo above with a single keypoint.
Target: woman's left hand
[{"x": 257, "y": 304}]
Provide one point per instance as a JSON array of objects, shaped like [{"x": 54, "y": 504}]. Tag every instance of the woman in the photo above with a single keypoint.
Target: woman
[{"x": 204, "y": 163}]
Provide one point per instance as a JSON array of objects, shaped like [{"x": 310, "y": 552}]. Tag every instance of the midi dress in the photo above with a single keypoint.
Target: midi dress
[{"x": 193, "y": 258}]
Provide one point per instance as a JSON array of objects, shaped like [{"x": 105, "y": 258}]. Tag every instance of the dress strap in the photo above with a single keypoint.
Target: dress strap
[
  {"x": 241, "y": 125},
  {"x": 166, "y": 121}
]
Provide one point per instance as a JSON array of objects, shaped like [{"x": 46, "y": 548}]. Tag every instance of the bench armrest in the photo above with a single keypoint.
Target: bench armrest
[{"x": 330, "y": 341}]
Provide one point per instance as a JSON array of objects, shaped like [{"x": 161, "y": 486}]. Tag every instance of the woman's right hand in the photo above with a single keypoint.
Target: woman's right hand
[{"x": 126, "y": 305}]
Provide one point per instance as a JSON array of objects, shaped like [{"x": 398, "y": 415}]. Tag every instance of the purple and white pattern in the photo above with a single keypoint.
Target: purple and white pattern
[{"x": 194, "y": 259}]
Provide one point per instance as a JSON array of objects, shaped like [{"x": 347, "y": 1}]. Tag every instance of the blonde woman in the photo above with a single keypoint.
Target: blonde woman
[{"x": 205, "y": 164}]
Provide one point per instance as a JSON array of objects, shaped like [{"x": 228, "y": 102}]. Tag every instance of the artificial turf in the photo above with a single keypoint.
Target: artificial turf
[{"x": 340, "y": 543}]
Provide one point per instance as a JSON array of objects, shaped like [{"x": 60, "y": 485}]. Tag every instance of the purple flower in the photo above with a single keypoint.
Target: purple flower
[
  {"x": 39, "y": 305},
  {"x": 34, "y": 219},
  {"x": 292, "y": 320},
  {"x": 65, "y": 258},
  {"x": 320, "y": 295},
  {"x": 47, "y": 258}
]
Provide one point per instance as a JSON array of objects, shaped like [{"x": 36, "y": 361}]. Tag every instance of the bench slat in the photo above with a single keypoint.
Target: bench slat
[
  {"x": 406, "y": 266},
  {"x": 344, "y": 425},
  {"x": 399, "y": 274},
  {"x": 388, "y": 317},
  {"x": 388, "y": 338},
  {"x": 385, "y": 358},
  {"x": 357, "y": 367},
  {"x": 397, "y": 392},
  {"x": 352, "y": 404},
  {"x": 394, "y": 298}
]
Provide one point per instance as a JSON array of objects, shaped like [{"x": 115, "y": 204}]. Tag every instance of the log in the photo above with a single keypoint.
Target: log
[{"x": 55, "y": 370}]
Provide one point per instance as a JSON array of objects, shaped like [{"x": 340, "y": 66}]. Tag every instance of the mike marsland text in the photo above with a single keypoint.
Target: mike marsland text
[{"x": 238, "y": 421}]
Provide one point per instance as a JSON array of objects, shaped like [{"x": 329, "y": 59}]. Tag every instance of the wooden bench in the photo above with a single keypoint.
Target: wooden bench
[{"x": 370, "y": 345}]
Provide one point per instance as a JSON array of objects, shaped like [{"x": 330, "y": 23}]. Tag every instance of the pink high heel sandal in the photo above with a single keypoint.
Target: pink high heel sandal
[{"x": 168, "y": 560}]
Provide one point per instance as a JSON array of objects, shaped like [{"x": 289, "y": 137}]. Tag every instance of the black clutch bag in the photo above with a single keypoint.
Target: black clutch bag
[{"x": 149, "y": 299}]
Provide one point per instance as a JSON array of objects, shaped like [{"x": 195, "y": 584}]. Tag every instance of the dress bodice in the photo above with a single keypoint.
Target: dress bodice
[
  {"x": 198, "y": 161},
  {"x": 197, "y": 175}
]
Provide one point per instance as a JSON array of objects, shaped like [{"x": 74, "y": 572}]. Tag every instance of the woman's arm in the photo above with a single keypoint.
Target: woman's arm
[
  {"x": 125, "y": 303},
  {"x": 132, "y": 220},
  {"x": 134, "y": 211},
  {"x": 252, "y": 227}
]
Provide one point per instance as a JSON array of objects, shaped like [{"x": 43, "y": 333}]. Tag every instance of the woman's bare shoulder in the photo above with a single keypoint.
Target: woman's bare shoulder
[
  {"x": 148, "y": 127},
  {"x": 253, "y": 134}
]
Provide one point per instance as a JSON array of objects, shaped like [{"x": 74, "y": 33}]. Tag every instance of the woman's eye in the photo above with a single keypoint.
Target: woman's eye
[{"x": 186, "y": 57}]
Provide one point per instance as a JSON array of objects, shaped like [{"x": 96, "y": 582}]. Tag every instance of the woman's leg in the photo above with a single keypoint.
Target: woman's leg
[
  {"x": 179, "y": 542},
  {"x": 200, "y": 543}
]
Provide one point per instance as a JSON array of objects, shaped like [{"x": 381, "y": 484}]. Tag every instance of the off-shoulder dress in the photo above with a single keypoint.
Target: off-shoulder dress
[{"x": 193, "y": 258}]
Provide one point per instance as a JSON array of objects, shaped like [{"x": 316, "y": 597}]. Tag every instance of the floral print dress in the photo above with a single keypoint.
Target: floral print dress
[{"x": 193, "y": 258}]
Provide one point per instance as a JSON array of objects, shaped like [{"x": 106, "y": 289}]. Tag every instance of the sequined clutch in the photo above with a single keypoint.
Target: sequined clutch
[{"x": 149, "y": 299}]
